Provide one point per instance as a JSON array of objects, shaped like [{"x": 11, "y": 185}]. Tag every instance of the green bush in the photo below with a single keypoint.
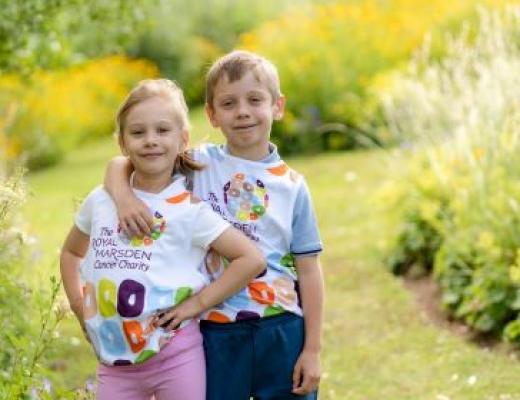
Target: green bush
[
  {"x": 416, "y": 245},
  {"x": 461, "y": 115},
  {"x": 52, "y": 33},
  {"x": 184, "y": 37}
]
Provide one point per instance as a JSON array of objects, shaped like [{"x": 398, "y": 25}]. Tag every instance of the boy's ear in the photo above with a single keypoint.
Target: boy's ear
[
  {"x": 121, "y": 143},
  {"x": 279, "y": 108},
  {"x": 210, "y": 112}
]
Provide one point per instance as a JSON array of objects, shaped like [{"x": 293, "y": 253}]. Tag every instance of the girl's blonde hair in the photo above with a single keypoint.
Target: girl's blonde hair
[{"x": 168, "y": 90}]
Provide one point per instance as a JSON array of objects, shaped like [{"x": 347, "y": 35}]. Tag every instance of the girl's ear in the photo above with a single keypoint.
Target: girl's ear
[
  {"x": 185, "y": 140},
  {"x": 210, "y": 112},
  {"x": 278, "y": 108}
]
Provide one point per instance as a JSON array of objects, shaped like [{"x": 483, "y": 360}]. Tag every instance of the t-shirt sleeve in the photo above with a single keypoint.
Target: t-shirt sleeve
[
  {"x": 83, "y": 218},
  {"x": 207, "y": 227},
  {"x": 305, "y": 234}
]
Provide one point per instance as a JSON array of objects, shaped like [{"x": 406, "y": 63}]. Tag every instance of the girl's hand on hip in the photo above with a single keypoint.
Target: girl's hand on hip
[{"x": 171, "y": 319}]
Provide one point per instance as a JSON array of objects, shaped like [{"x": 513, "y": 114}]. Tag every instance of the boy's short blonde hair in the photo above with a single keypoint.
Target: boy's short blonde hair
[{"x": 234, "y": 65}]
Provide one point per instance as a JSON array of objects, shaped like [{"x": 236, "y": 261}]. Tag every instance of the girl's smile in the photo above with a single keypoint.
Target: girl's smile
[{"x": 152, "y": 139}]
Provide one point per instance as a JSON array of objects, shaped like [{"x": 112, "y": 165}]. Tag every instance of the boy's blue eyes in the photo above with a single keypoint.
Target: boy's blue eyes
[{"x": 254, "y": 100}]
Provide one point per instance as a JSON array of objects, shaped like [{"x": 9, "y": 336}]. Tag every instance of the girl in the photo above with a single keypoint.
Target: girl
[{"x": 136, "y": 298}]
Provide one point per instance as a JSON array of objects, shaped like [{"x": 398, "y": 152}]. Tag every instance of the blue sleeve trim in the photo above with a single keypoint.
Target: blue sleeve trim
[{"x": 305, "y": 253}]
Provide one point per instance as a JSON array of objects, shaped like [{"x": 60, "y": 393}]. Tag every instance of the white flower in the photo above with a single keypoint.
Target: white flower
[{"x": 350, "y": 176}]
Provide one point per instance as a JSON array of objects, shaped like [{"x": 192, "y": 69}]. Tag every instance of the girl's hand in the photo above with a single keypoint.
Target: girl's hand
[
  {"x": 78, "y": 311},
  {"x": 135, "y": 218},
  {"x": 171, "y": 319},
  {"x": 82, "y": 324}
]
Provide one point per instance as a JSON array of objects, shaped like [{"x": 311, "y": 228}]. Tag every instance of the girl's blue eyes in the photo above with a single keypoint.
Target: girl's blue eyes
[{"x": 160, "y": 130}]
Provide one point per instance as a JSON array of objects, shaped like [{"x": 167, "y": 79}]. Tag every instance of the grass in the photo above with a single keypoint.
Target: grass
[{"x": 377, "y": 345}]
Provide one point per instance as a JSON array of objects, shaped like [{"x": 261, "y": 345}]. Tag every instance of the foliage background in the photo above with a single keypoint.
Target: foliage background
[{"x": 432, "y": 85}]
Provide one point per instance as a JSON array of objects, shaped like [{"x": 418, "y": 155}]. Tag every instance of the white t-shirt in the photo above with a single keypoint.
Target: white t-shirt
[
  {"x": 126, "y": 281},
  {"x": 270, "y": 203}
]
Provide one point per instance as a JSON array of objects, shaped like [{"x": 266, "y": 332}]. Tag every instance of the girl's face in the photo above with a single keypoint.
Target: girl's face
[{"x": 152, "y": 138}]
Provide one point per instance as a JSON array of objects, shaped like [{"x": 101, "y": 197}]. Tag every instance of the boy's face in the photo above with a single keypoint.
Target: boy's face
[{"x": 244, "y": 111}]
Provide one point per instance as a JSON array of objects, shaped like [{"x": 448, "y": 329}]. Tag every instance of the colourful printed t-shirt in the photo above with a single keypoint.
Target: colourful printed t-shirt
[
  {"x": 269, "y": 203},
  {"x": 126, "y": 281}
]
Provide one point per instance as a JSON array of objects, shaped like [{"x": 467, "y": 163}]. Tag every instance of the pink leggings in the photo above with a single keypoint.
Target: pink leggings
[{"x": 176, "y": 373}]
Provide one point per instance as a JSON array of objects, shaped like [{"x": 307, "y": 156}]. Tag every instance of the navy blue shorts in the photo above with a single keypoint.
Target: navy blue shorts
[{"x": 254, "y": 359}]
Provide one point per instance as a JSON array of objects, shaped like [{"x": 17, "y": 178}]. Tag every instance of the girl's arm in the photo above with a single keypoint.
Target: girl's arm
[
  {"x": 246, "y": 263},
  {"x": 307, "y": 371},
  {"x": 134, "y": 216},
  {"x": 72, "y": 252}
]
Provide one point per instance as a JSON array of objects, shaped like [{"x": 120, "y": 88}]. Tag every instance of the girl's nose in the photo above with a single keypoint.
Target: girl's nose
[{"x": 150, "y": 138}]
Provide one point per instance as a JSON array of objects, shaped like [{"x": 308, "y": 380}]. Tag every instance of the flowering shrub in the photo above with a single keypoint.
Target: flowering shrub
[
  {"x": 55, "y": 111},
  {"x": 330, "y": 58},
  {"x": 462, "y": 114}
]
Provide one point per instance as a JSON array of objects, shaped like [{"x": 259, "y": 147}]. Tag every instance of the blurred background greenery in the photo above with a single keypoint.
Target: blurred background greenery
[
  {"x": 404, "y": 116},
  {"x": 66, "y": 65}
]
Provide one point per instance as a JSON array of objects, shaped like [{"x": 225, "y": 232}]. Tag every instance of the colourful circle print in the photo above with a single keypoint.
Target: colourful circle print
[
  {"x": 245, "y": 197},
  {"x": 159, "y": 226}
]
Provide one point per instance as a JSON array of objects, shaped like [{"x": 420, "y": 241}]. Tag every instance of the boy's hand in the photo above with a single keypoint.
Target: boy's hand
[
  {"x": 135, "y": 218},
  {"x": 307, "y": 372},
  {"x": 172, "y": 318}
]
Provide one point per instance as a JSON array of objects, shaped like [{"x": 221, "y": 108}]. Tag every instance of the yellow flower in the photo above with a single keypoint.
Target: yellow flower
[
  {"x": 478, "y": 153},
  {"x": 486, "y": 240}
]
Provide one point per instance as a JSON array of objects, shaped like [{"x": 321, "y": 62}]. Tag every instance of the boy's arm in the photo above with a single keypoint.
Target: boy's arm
[
  {"x": 72, "y": 252},
  {"x": 307, "y": 371},
  {"x": 134, "y": 216},
  {"x": 246, "y": 263}
]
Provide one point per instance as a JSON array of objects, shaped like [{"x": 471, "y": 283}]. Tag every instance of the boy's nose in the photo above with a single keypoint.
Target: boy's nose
[{"x": 243, "y": 110}]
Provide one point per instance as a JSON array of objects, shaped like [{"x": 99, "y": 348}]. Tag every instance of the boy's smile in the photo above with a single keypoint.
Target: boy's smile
[{"x": 244, "y": 110}]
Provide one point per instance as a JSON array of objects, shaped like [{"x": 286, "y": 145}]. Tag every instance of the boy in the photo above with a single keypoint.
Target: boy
[{"x": 256, "y": 343}]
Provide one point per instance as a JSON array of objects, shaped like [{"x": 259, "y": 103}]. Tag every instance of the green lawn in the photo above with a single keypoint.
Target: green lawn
[{"x": 377, "y": 344}]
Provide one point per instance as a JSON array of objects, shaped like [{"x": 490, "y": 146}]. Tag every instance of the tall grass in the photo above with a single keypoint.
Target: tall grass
[{"x": 467, "y": 105}]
